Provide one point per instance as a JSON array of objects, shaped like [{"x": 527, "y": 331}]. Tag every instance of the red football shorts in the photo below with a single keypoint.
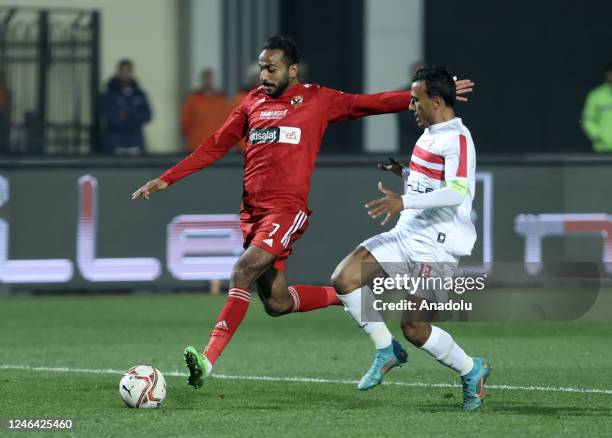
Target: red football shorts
[{"x": 273, "y": 231}]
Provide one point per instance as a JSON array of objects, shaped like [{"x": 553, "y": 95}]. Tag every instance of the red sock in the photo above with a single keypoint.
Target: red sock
[
  {"x": 228, "y": 321},
  {"x": 307, "y": 298}
]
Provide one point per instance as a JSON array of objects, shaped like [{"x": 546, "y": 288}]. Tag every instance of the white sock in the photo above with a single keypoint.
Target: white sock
[
  {"x": 209, "y": 366},
  {"x": 445, "y": 350},
  {"x": 377, "y": 331}
]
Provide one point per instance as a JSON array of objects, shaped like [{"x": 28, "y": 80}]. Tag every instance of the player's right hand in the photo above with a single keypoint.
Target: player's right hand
[
  {"x": 155, "y": 185},
  {"x": 393, "y": 166},
  {"x": 390, "y": 204}
]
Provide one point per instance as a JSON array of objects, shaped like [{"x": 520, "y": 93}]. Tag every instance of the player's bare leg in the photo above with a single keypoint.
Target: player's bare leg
[
  {"x": 416, "y": 324},
  {"x": 356, "y": 270},
  {"x": 274, "y": 292},
  {"x": 350, "y": 279},
  {"x": 417, "y": 328},
  {"x": 279, "y": 298},
  {"x": 252, "y": 264}
]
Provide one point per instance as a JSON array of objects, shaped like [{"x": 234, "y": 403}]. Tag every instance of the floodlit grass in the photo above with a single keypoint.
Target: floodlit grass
[{"x": 101, "y": 334}]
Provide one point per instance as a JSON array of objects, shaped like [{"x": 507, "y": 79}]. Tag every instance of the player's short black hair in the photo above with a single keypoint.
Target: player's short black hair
[
  {"x": 291, "y": 55},
  {"x": 438, "y": 82},
  {"x": 124, "y": 63},
  {"x": 608, "y": 67}
]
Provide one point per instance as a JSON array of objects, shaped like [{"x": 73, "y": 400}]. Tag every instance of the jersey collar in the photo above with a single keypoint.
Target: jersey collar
[{"x": 438, "y": 127}]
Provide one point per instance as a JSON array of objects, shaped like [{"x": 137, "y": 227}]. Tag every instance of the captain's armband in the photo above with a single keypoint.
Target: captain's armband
[{"x": 458, "y": 185}]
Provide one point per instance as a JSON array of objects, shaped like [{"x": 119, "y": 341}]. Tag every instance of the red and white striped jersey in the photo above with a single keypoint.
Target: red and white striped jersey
[{"x": 444, "y": 152}]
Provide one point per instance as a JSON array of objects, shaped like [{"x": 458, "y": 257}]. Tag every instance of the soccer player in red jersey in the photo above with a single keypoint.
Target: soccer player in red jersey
[{"x": 284, "y": 122}]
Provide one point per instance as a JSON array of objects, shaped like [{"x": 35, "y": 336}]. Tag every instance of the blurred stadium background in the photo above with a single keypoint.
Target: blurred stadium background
[
  {"x": 533, "y": 63},
  {"x": 68, "y": 226}
]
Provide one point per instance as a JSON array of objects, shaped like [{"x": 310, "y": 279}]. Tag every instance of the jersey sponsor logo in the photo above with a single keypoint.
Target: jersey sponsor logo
[
  {"x": 291, "y": 135},
  {"x": 419, "y": 187},
  {"x": 272, "y": 115},
  {"x": 276, "y": 134},
  {"x": 264, "y": 135}
]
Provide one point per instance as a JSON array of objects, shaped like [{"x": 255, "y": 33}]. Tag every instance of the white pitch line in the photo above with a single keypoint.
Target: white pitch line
[{"x": 311, "y": 380}]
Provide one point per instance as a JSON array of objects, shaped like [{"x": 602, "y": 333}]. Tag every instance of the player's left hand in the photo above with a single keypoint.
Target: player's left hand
[
  {"x": 155, "y": 185},
  {"x": 464, "y": 86},
  {"x": 390, "y": 204},
  {"x": 394, "y": 166}
]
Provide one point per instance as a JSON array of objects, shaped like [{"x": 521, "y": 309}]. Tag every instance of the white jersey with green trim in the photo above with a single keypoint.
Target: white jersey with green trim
[{"x": 443, "y": 156}]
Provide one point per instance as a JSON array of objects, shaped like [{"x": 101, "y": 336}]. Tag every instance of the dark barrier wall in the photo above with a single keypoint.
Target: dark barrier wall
[
  {"x": 533, "y": 62},
  {"x": 329, "y": 35},
  {"x": 48, "y": 212}
]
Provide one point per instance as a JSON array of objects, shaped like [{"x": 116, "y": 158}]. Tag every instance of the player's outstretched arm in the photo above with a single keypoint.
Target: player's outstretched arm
[
  {"x": 345, "y": 106},
  {"x": 392, "y": 203},
  {"x": 155, "y": 185},
  {"x": 213, "y": 148}
]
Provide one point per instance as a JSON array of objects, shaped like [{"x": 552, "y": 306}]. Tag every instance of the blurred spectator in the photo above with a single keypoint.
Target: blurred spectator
[
  {"x": 203, "y": 112},
  {"x": 408, "y": 130},
  {"x": 597, "y": 114},
  {"x": 5, "y": 115},
  {"x": 252, "y": 81},
  {"x": 125, "y": 109}
]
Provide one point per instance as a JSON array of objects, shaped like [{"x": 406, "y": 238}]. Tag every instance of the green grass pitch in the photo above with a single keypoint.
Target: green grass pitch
[{"x": 91, "y": 336}]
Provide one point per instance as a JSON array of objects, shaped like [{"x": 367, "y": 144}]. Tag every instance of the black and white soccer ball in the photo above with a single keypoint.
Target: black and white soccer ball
[{"x": 143, "y": 386}]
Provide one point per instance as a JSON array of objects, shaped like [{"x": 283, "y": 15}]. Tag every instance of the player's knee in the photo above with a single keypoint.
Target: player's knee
[
  {"x": 408, "y": 330},
  {"x": 342, "y": 281},
  {"x": 416, "y": 334},
  {"x": 275, "y": 308},
  {"x": 242, "y": 277}
]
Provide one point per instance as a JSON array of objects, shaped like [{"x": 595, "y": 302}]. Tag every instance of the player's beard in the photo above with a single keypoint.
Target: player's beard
[{"x": 280, "y": 88}]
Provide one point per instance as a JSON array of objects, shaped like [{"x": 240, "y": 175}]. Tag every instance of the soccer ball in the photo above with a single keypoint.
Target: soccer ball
[{"x": 142, "y": 386}]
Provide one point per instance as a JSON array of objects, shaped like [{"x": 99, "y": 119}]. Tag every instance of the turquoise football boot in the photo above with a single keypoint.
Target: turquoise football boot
[
  {"x": 474, "y": 384},
  {"x": 385, "y": 360}
]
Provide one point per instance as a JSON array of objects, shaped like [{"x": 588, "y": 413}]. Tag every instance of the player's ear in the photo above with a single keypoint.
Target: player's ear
[{"x": 293, "y": 71}]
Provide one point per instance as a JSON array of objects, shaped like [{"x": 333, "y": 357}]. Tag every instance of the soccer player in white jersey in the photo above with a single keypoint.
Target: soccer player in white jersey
[{"x": 434, "y": 229}]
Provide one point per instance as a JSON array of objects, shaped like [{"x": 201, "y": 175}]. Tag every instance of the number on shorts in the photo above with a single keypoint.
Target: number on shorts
[{"x": 276, "y": 227}]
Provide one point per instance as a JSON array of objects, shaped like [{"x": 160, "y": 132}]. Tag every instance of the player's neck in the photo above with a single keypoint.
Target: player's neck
[{"x": 444, "y": 116}]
